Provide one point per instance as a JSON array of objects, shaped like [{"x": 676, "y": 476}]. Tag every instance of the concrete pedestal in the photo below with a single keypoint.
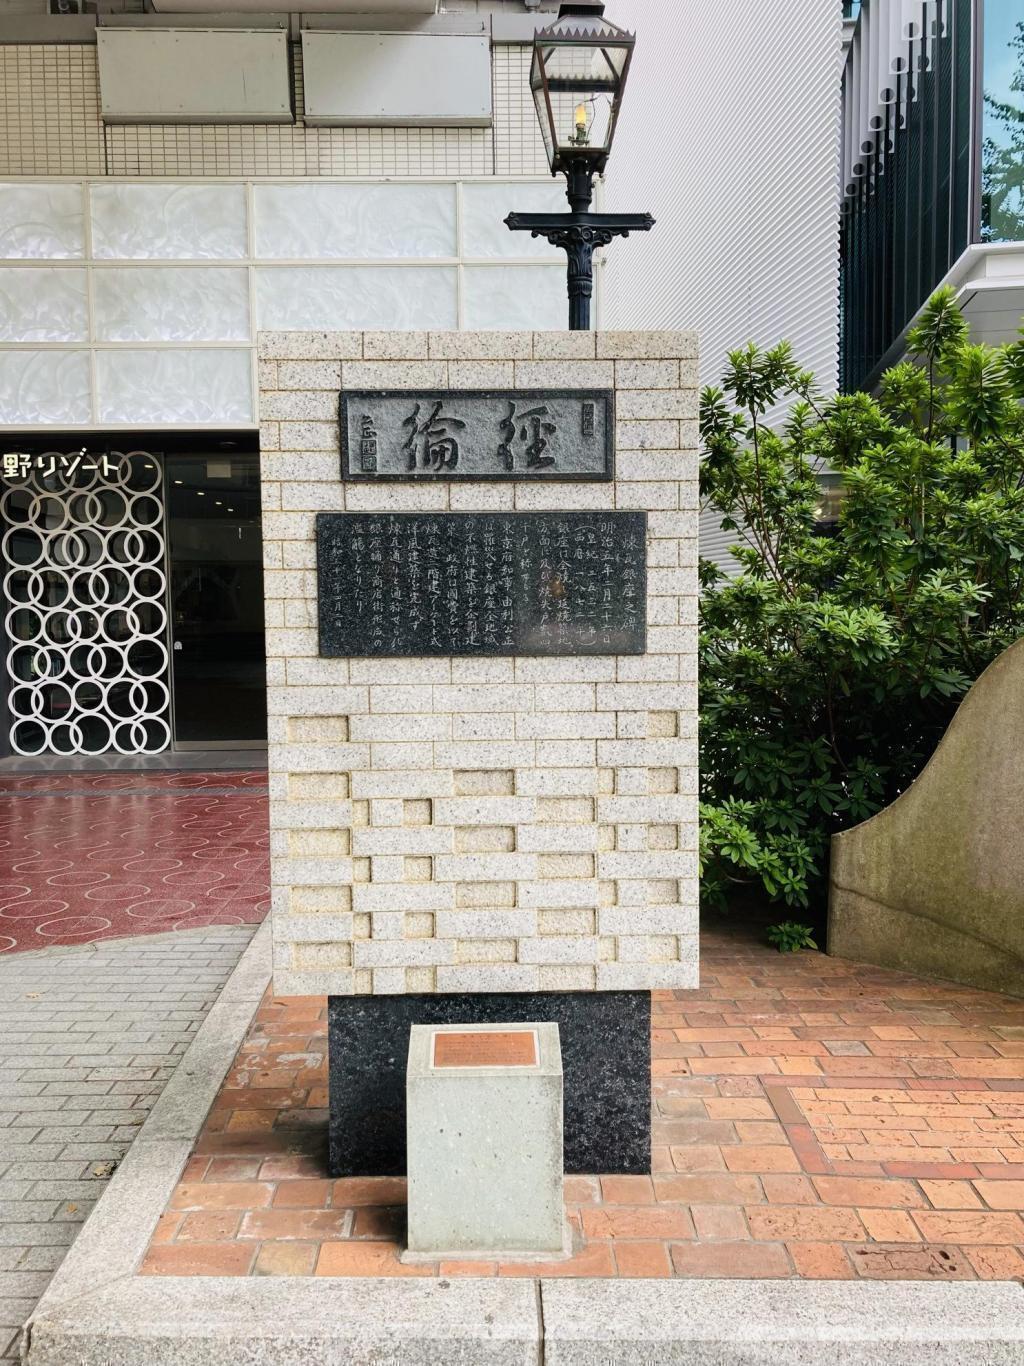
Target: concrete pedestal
[
  {"x": 605, "y": 1040},
  {"x": 484, "y": 1126}
]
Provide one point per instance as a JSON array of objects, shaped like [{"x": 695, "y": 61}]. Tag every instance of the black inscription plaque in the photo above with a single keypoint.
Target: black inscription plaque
[
  {"x": 452, "y": 434},
  {"x": 471, "y": 583}
]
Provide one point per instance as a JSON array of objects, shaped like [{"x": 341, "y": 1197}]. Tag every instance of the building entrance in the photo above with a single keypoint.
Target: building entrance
[
  {"x": 132, "y": 595},
  {"x": 216, "y": 597}
]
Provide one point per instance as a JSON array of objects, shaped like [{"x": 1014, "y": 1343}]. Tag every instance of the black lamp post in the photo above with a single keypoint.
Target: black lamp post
[{"x": 580, "y": 64}]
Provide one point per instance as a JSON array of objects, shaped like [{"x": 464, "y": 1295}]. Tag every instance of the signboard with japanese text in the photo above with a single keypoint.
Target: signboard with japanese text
[
  {"x": 470, "y": 583},
  {"x": 456, "y": 434},
  {"x": 66, "y": 465}
]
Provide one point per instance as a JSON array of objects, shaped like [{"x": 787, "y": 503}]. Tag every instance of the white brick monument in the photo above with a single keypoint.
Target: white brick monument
[{"x": 511, "y": 825}]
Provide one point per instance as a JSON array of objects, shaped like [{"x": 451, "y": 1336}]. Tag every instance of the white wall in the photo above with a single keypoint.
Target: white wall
[{"x": 730, "y": 137}]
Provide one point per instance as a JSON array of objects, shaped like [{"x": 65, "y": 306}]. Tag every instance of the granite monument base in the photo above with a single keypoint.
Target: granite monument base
[{"x": 606, "y": 1061}]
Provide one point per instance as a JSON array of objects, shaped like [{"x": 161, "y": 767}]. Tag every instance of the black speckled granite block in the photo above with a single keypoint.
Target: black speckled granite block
[{"x": 606, "y": 1063}]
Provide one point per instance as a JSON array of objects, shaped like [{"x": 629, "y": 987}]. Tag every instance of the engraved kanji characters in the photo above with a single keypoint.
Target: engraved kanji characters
[
  {"x": 432, "y": 443},
  {"x": 533, "y": 429}
]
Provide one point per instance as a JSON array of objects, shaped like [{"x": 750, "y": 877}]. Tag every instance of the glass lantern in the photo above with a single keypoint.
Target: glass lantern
[{"x": 580, "y": 64}]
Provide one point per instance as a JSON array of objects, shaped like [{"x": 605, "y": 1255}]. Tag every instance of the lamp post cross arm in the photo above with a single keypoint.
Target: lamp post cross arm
[{"x": 579, "y": 234}]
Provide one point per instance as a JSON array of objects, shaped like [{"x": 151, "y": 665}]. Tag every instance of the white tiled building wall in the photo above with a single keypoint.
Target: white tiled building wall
[
  {"x": 465, "y": 824},
  {"x": 50, "y": 125},
  {"x": 136, "y": 303}
]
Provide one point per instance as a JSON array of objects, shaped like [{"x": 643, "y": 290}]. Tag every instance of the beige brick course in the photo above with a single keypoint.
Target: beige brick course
[{"x": 461, "y": 825}]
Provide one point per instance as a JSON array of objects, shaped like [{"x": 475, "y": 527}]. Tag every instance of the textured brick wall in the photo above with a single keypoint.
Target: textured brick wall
[{"x": 464, "y": 824}]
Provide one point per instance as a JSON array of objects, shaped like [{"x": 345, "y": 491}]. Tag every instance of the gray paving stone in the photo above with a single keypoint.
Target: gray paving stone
[
  {"x": 294, "y": 1321},
  {"x": 88, "y": 1038},
  {"x": 782, "y": 1323}
]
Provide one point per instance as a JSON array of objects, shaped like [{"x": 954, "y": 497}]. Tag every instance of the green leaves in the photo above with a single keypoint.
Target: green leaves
[
  {"x": 831, "y": 664},
  {"x": 791, "y": 937}
]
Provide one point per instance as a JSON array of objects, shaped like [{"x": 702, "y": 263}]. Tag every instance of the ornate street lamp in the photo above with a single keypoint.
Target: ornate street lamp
[{"x": 580, "y": 65}]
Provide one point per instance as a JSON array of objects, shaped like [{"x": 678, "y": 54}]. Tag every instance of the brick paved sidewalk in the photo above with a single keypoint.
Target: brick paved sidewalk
[
  {"x": 813, "y": 1118},
  {"x": 88, "y": 1038}
]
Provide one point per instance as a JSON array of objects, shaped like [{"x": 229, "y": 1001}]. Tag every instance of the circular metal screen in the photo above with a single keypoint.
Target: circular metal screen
[{"x": 85, "y": 593}]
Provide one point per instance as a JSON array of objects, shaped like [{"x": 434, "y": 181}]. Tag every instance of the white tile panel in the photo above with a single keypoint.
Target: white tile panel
[
  {"x": 44, "y": 387},
  {"x": 354, "y": 297},
  {"x": 40, "y": 222},
  {"x": 168, "y": 222},
  {"x": 485, "y": 208},
  {"x": 354, "y": 221},
  {"x": 513, "y": 297},
  {"x": 43, "y": 305},
  {"x": 171, "y": 303},
  {"x": 202, "y": 385}
]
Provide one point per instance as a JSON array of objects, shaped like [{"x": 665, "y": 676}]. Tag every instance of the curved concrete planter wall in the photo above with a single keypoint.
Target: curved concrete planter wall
[{"x": 935, "y": 883}]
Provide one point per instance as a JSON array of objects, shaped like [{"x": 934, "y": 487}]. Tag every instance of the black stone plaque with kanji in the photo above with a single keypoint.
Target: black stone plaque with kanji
[
  {"x": 474, "y": 583},
  {"x": 423, "y": 435}
]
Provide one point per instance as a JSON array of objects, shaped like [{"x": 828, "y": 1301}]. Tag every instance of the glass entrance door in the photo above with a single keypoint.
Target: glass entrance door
[{"x": 216, "y": 591}]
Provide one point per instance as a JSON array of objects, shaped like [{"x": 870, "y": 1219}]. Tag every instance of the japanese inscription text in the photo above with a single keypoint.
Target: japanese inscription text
[
  {"x": 472, "y": 434},
  {"x": 468, "y": 583}
]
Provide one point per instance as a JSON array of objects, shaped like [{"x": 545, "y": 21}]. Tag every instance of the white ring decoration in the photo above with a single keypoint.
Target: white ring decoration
[{"x": 65, "y": 600}]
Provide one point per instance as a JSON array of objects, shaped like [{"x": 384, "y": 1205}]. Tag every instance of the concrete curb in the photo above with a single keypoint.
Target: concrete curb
[
  {"x": 786, "y": 1323},
  {"x": 98, "y": 1311},
  {"x": 293, "y": 1321}
]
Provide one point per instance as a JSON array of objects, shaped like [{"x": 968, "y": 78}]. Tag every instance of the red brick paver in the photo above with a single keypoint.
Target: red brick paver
[{"x": 812, "y": 1118}]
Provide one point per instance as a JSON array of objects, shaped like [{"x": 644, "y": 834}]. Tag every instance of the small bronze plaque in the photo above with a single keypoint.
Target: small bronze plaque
[{"x": 487, "y": 1048}]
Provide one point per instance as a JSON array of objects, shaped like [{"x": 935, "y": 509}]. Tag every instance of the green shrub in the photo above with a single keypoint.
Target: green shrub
[
  {"x": 832, "y": 663},
  {"x": 791, "y": 937}
]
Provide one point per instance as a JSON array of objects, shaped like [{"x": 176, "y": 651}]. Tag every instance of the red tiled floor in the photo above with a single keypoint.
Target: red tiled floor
[
  {"x": 89, "y": 856},
  {"x": 778, "y": 1168}
]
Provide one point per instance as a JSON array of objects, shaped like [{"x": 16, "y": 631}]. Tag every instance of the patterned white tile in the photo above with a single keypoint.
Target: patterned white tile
[
  {"x": 41, "y": 221},
  {"x": 172, "y": 303},
  {"x": 343, "y": 297},
  {"x": 201, "y": 385},
  {"x": 485, "y": 208},
  {"x": 44, "y": 387},
  {"x": 43, "y": 305},
  {"x": 514, "y": 297},
  {"x": 168, "y": 222},
  {"x": 353, "y": 221}
]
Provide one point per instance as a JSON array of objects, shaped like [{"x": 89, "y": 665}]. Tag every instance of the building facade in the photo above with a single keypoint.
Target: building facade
[
  {"x": 172, "y": 182},
  {"x": 730, "y": 138},
  {"x": 933, "y": 107}
]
